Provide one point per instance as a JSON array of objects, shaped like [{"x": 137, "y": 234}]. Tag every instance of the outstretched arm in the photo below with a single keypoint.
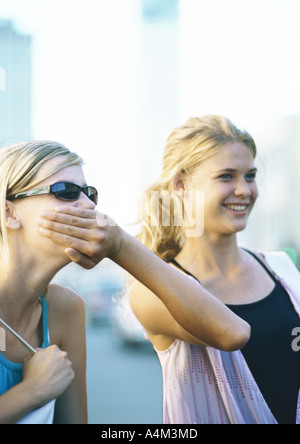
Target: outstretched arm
[{"x": 90, "y": 236}]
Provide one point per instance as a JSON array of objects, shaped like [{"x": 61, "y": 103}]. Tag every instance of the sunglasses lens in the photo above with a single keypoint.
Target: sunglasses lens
[
  {"x": 91, "y": 193},
  {"x": 66, "y": 191},
  {"x": 71, "y": 191}
]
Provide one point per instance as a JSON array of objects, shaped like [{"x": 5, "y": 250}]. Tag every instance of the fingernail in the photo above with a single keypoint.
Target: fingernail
[
  {"x": 70, "y": 252},
  {"x": 46, "y": 214}
]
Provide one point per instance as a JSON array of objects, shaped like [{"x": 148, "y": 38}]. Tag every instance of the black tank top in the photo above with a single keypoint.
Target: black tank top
[{"x": 268, "y": 353}]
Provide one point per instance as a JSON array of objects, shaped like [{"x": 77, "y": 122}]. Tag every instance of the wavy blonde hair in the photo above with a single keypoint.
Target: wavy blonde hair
[
  {"x": 187, "y": 147},
  {"x": 19, "y": 165}
]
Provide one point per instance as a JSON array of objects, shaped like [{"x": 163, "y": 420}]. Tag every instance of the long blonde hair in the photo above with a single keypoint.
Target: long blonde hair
[
  {"x": 187, "y": 147},
  {"x": 19, "y": 165}
]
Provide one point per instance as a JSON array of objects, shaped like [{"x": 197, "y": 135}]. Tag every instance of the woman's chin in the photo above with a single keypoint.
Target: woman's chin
[
  {"x": 240, "y": 227},
  {"x": 57, "y": 256},
  {"x": 235, "y": 227}
]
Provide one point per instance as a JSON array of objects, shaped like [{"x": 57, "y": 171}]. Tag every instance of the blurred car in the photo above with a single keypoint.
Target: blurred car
[
  {"x": 98, "y": 287},
  {"x": 99, "y": 303}
]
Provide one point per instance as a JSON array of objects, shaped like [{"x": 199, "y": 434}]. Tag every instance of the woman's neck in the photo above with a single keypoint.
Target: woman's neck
[
  {"x": 209, "y": 256},
  {"x": 21, "y": 286}
]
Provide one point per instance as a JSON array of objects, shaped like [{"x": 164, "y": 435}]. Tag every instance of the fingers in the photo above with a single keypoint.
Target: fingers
[
  {"x": 80, "y": 217},
  {"x": 79, "y": 223},
  {"x": 67, "y": 240},
  {"x": 77, "y": 212},
  {"x": 80, "y": 259},
  {"x": 75, "y": 220},
  {"x": 66, "y": 230},
  {"x": 85, "y": 253},
  {"x": 87, "y": 235}
]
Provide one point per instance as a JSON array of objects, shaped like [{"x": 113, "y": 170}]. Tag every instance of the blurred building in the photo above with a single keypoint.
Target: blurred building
[
  {"x": 158, "y": 83},
  {"x": 15, "y": 84}
]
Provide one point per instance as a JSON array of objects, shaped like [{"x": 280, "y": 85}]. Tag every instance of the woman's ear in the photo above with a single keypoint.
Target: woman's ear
[
  {"x": 179, "y": 183},
  {"x": 13, "y": 221}
]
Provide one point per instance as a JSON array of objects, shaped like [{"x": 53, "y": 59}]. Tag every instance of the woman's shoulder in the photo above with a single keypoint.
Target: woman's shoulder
[
  {"x": 280, "y": 261},
  {"x": 63, "y": 298},
  {"x": 277, "y": 257},
  {"x": 66, "y": 313}
]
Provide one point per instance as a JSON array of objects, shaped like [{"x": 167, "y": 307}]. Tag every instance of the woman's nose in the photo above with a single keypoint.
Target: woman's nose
[
  {"x": 85, "y": 202},
  {"x": 242, "y": 188}
]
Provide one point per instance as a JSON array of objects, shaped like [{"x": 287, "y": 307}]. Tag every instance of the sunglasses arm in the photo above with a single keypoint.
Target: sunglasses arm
[{"x": 35, "y": 192}]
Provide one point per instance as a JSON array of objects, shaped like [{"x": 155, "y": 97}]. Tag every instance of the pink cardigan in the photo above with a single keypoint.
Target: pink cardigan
[{"x": 207, "y": 386}]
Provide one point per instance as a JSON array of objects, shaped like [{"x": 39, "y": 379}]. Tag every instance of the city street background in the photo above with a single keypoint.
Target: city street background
[{"x": 124, "y": 382}]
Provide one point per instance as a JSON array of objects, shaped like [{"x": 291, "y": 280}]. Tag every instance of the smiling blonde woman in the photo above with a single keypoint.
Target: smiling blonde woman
[{"x": 260, "y": 383}]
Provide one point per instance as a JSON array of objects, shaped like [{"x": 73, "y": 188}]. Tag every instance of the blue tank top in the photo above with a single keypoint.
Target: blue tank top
[{"x": 11, "y": 373}]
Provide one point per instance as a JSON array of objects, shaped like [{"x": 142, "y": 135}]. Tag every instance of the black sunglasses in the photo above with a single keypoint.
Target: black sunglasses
[{"x": 61, "y": 190}]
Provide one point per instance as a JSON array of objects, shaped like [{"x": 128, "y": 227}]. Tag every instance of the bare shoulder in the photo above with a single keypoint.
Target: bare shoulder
[
  {"x": 149, "y": 310},
  {"x": 143, "y": 302},
  {"x": 66, "y": 312},
  {"x": 259, "y": 255},
  {"x": 159, "y": 324},
  {"x": 64, "y": 299},
  {"x": 154, "y": 316}
]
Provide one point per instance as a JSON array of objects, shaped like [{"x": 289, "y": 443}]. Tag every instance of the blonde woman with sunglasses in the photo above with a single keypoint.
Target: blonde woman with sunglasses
[{"x": 46, "y": 384}]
